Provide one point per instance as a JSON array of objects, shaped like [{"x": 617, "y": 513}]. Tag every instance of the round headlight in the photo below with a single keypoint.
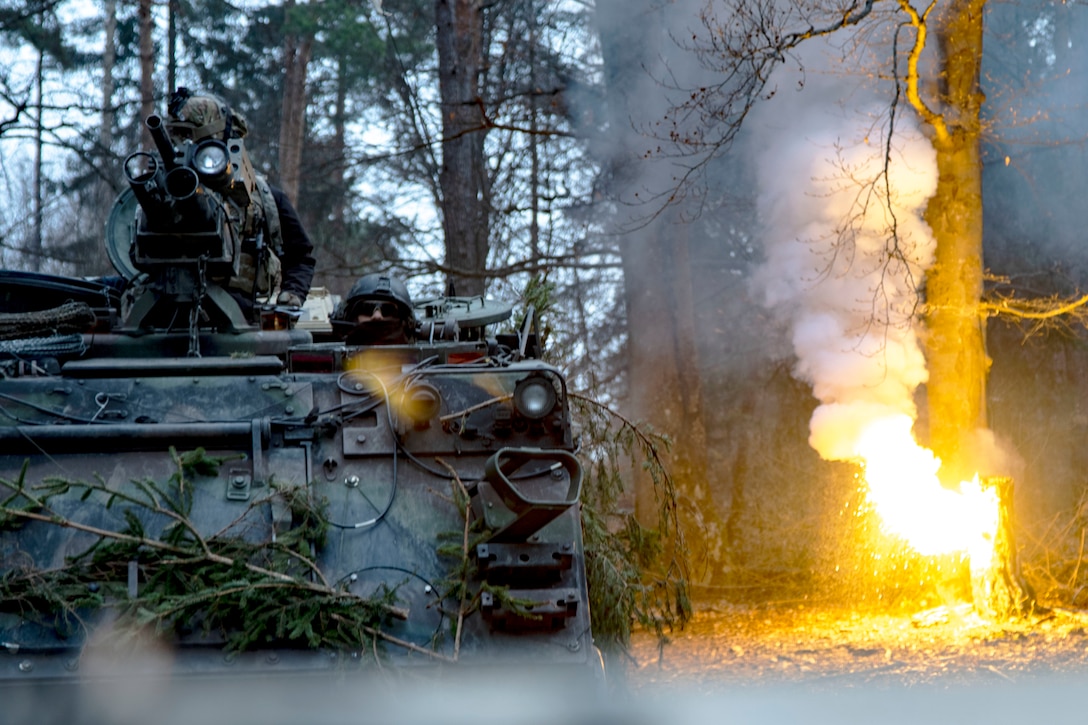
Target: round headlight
[
  {"x": 421, "y": 402},
  {"x": 211, "y": 159},
  {"x": 534, "y": 397}
]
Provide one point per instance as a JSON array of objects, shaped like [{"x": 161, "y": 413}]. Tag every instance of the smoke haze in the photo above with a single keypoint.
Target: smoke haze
[{"x": 836, "y": 274}]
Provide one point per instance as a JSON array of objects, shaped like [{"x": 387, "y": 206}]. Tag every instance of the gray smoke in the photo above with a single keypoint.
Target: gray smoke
[{"x": 845, "y": 284}]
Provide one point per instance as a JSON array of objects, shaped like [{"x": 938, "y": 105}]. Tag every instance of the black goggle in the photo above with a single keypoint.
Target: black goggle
[{"x": 368, "y": 308}]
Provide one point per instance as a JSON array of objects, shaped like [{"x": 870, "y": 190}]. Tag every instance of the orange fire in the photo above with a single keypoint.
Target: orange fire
[{"x": 912, "y": 504}]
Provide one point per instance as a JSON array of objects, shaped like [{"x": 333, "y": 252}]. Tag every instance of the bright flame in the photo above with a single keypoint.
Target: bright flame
[{"x": 913, "y": 505}]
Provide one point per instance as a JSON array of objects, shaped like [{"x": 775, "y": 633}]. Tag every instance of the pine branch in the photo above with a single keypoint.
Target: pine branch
[
  {"x": 459, "y": 488},
  {"x": 630, "y": 578},
  {"x": 214, "y": 581}
]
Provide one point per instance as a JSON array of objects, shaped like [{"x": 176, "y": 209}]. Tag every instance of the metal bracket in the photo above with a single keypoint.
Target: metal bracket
[
  {"x": 239, "y": 482},
  {"x": 545, "y": 610},
  {"x": 504, "y": 563}
]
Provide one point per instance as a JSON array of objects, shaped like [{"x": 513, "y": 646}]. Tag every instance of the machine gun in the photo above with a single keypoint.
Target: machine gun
[{"x": 178, "y": 232}]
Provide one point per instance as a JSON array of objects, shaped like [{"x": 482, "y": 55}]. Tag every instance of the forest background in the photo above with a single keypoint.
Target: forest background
[{"x": 516, "y": 146}]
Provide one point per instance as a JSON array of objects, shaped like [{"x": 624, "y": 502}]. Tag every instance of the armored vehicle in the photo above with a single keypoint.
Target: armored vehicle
[{"x": 269, "y": 496}]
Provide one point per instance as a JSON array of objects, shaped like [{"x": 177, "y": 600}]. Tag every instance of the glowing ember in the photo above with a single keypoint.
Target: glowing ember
[{"x": 913, "y": 505}]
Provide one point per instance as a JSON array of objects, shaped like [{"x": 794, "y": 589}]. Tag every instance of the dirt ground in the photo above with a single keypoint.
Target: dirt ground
[{"x": 727, "y": 647}]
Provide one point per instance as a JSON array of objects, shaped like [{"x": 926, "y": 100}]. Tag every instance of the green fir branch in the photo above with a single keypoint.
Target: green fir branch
[
  {"x": 637, "y": 575},
  {"x": 246, "y": 593}
]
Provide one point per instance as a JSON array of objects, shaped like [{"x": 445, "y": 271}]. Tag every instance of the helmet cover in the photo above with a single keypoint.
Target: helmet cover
[
  {"x": 376, "y": 287},
  {"x": 198, "y": 116}
]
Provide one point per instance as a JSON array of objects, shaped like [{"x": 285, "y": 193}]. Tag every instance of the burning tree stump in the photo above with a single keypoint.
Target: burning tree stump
[{"x": 998, "y": 587}]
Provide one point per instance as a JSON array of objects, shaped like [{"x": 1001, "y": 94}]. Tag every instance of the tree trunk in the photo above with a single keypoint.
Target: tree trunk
[
  {"x": 662, "y": 361},
  {"x": 534, "y": 145},
  {"x": 109, "y": 59},
  {"x": 172, "y": 46},
  {"x": 955, "y": 347},
  {"x": 338, "y": 155},
  {"x": 955, "y": 343},
  {"x": 38, "y": 232},
  {"x": 664, "y": 377},
  {"x": 105, "y": 188},
  {"x": 998, "y": 587},
  {"x": 297, "y": 49},
  {"x": 147, "y": 67},
  {"x": 464, "y": 179}
]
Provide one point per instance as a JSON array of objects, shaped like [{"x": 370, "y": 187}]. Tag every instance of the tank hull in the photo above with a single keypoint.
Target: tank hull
[{"x": 410, "y": 483}]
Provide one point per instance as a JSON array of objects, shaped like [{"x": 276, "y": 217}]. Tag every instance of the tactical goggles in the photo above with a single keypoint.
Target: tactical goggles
[{"x": 370, "y": 307}]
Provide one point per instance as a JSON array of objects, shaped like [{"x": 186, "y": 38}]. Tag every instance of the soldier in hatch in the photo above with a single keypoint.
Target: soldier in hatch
[
  {"x": 286, "y": 261},
  {"x": 377, "y": 311}
]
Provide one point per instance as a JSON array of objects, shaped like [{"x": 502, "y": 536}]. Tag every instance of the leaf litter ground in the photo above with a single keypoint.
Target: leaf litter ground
[{"x": 730, "y": 646}]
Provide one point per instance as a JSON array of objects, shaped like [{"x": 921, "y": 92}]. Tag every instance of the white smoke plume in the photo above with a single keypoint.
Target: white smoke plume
[{"x": 829, "y": 206}]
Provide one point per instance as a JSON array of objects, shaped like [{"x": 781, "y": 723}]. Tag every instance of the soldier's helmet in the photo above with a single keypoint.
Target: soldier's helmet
[
  {"x": 197, "y": 116},
  {"x": 375, "y": 288}
]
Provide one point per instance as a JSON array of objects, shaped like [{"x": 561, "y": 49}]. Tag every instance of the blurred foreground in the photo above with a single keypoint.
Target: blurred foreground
[
  {"x": 520, "y": 701},
  {"x": 761, "y": 665}
]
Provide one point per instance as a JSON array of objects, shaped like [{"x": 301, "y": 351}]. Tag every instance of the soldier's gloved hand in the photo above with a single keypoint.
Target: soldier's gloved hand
[{"x": 289, "y": 299}]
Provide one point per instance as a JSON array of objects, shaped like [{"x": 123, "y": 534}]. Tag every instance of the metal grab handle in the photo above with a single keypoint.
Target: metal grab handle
[
  {"x": 133, "y": 436},
  {"x": 531, "y": 514}
]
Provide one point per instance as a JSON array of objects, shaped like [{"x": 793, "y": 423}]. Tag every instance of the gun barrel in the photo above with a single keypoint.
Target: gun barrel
[
  {"x": 181, "y": 183},
  {"x": 170, "y": 201},
  {"x": 188, "y": 199},
  {"x": 142, "y": 173},
  {"x": 162, "y": 140},
  {"x": 140, "y": 167}
]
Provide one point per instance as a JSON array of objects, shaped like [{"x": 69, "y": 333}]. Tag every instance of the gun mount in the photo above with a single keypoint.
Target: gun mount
[{"x": 177, "y": 234}]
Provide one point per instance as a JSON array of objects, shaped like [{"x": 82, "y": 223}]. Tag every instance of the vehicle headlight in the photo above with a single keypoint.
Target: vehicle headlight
[
  {"x": 211, "y": 160},
  {"x": 534, "y": 397},
  {"x": 421, "y": 402}
]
